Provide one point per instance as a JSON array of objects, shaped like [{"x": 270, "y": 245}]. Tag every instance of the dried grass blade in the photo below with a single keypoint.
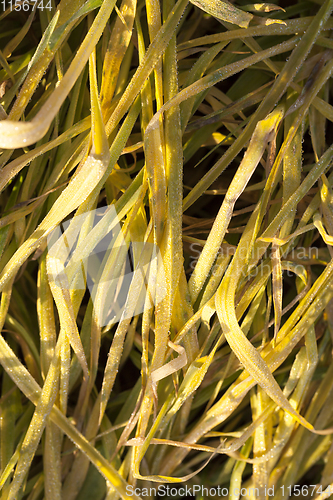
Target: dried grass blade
[
  {"x": 224, "y": 11},
  {"x": 263, "y": 134},
  {"x": 118, "y": 44},
  {"x": 277, "y": 287}
]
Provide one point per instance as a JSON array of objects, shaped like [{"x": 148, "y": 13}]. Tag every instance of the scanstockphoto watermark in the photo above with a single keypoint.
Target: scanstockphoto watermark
[
  {"x": 200, "y": 491},
  {"x": 92, "y": 251},
  {"x": 298, "y": 256},
  {"x": 197, "y": 491}
]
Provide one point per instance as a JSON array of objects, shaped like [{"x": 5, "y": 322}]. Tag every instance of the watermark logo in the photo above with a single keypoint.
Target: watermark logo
[
  {"x": 252, "y": 492},
  {"x": 123, "y": 276},
  {"x": 300, "y": 256}
]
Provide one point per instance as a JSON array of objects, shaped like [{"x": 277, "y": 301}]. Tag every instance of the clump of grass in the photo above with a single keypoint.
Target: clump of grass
[{"x": 195, "y": 138}]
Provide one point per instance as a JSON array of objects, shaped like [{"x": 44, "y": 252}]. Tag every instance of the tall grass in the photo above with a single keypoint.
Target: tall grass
[{"x": 193, "y": 141}]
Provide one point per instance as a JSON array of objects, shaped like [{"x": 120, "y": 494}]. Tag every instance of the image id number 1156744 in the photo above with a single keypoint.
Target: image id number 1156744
[{"x": 26, "y": 5}]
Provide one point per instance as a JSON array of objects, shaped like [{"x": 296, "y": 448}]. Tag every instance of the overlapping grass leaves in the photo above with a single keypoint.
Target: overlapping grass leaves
[{"x": 202, "y": 125}]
